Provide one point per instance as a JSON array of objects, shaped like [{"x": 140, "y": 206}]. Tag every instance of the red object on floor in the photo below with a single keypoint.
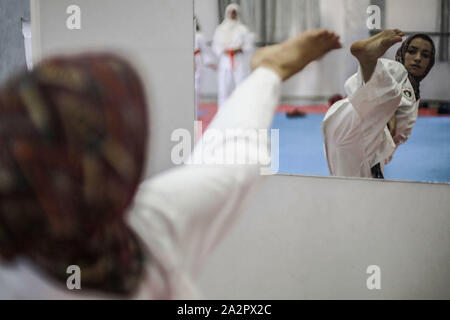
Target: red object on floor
[{"x": 334, "y": 98}]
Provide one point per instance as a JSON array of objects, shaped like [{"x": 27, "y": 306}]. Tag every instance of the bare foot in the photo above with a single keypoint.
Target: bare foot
[
  {"x": 369, "y": 50},
  {"x": 291, "y": 56}
]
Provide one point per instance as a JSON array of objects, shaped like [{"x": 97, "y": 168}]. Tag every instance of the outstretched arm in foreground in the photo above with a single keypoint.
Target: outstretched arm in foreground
[{"x": 190, "y": 208}]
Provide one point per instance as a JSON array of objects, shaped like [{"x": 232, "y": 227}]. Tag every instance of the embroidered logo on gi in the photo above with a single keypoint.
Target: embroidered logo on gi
[{"x": 407, "y": 93}]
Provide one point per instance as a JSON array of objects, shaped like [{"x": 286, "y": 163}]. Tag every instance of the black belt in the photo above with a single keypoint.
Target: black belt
[{"x": 376, "y": 172}]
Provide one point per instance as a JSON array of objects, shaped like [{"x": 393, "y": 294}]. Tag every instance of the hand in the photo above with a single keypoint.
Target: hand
[
  {"x": 399, "y": 138},
  {"x": 388, "y": 160}
]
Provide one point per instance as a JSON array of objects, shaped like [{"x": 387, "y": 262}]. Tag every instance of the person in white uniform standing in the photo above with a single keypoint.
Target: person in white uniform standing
[
  {"x": 203, "y": 57},
  {"x": 71, "y": 166},
  {"x": 232, "y": 43},
  {"x": 362, "y": 132}
]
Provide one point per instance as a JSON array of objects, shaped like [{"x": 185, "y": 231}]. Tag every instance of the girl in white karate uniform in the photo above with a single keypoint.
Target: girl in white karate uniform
[
  {"x": 233, "y": 43},
  {"x": 203, "y": 57},
  {"x": 362, "y": 132}
]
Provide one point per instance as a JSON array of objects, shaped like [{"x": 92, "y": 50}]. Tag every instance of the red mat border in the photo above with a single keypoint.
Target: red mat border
[{"x": 209, "y": 111}]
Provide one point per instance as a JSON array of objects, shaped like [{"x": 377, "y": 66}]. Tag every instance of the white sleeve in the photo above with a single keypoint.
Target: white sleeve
[
  {"x": 217, "y": 43},
  {"x": 393, "y": 68},
  {"x": 406, "y": 114},
  {"x": 353, "y": 83},
  {"x": 249, "y": 42},
  {"x": 208, "y": 56},
  {"x": 198, "y": 202},
  {"x": 376, "y": 101}
]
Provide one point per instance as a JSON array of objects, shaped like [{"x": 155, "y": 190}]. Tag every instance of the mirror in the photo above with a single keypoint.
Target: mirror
[{"x": 307, "y": 97}]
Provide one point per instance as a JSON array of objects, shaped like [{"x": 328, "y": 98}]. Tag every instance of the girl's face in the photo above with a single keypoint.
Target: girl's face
[
  {"x": 418, "y": 56},
  {"x": 233, "y": 14}
]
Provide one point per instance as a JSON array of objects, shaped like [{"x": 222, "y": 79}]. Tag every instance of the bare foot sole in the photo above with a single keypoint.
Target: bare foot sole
[
  {"x": 291, "y": 56},
  {"x": 369, "y": 50}
]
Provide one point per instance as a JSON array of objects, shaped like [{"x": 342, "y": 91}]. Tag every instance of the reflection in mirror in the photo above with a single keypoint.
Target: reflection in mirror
[{"x": 378, "y": 108}]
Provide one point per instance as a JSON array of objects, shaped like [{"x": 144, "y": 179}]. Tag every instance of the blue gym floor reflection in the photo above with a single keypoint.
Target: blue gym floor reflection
[{"x": 424, "y": 157}]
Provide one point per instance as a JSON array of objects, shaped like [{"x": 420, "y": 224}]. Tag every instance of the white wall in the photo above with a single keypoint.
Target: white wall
[
  {"x": 326, "y": 76},
  {"x": 313, "y": 238},
  {"x": 413, "y": 15},
  {"x": 145, "y": 32},
  {"x": 207, "y": 13},
  {"x": 12, "y": 48}
]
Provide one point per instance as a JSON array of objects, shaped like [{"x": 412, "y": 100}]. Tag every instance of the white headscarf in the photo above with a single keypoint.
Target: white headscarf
[
  {"x": 229, "y": 28},
  {"x": 229, "y": 9}
]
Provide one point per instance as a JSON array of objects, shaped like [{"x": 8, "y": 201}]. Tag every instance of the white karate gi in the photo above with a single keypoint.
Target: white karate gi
[
  {"x": 232, "y": 69},
  {"x": 180, "y": 215},
  {"x": 355, "y": 132},
  {"x": 203, "y": 56}
]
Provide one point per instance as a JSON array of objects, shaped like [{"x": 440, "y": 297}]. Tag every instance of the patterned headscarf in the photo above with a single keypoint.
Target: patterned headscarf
[
  {"x": 73, "y": 134},
  {"x": 400, "y": 57}
]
